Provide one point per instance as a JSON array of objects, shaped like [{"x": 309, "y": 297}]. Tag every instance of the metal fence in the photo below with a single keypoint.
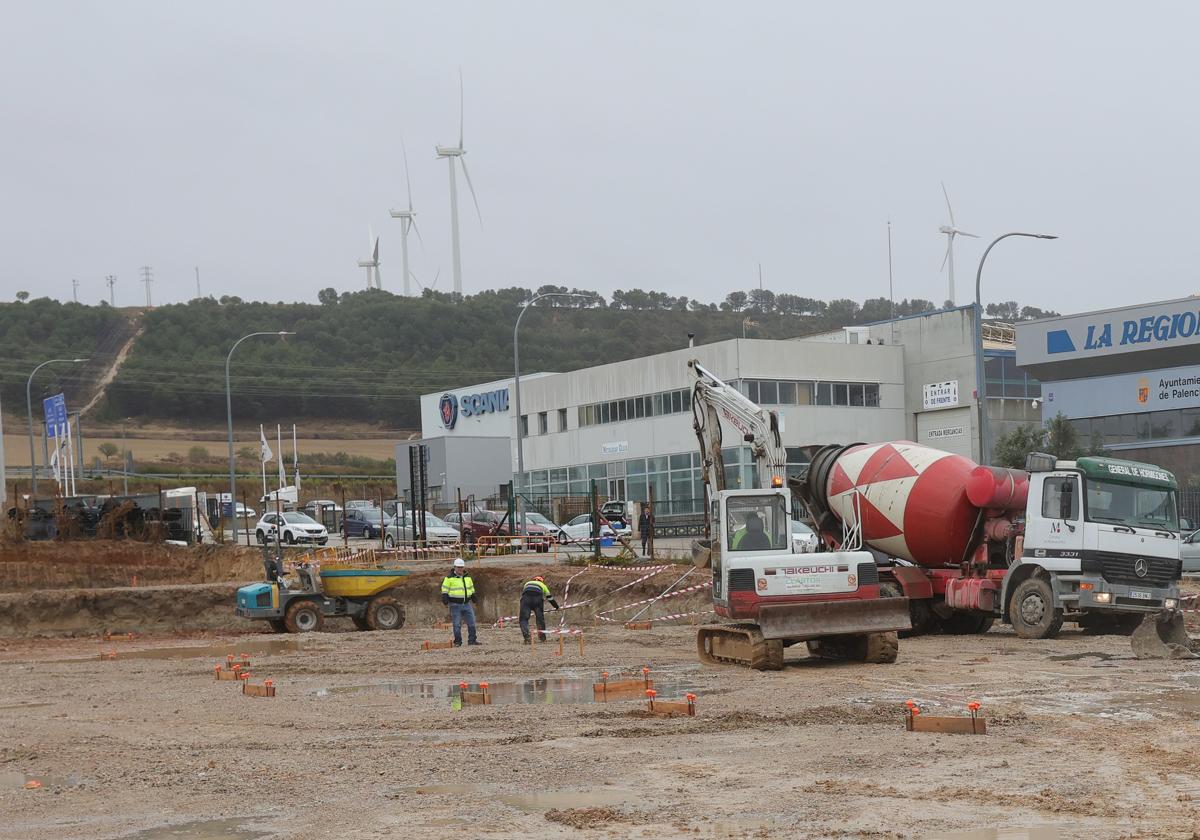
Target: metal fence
[
  {"x": 143, "y": 516},
  {"x": 1189, "y": 505}
]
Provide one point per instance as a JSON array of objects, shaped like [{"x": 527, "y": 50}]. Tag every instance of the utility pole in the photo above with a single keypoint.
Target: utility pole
[
  {"x": 75, "y": 290},
  {"x": 198, "y": 282},
  {"x": 111, "y": 280},
  {"x": 147, "y": 278}
]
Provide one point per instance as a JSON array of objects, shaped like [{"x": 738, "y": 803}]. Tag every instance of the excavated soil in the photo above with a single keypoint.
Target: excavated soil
[
  {"x": 363, "y": 739},
  {"x": 27, "y": 566}
]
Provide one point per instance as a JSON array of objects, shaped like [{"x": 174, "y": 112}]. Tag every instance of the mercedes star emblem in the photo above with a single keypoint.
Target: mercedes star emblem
[{"x": 1140, "y": 567}]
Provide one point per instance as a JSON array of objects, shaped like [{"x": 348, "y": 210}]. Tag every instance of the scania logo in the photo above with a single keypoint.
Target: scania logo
[
  {"x": 448, "y": 409},
  {"x": 1140, "y": 567}
]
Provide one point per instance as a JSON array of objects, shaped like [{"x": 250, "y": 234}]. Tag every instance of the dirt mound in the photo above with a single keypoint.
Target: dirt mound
[{"x": 109, "y": 563}]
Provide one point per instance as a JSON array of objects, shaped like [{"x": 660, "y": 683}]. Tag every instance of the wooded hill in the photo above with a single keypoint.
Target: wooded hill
[{"x": 368, "y": 356}]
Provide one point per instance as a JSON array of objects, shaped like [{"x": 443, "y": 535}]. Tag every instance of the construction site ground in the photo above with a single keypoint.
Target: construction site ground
[{"x": 363, "y": 740}]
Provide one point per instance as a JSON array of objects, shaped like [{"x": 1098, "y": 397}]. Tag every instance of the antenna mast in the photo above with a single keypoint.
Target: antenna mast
[{"x": 147, "y": 278}]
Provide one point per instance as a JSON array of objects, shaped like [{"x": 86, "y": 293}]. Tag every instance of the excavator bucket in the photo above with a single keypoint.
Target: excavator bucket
[
  {"x": 834, "y": 618},
  {"x": 1162, "y": 635},
  {"x": 701, "y": 553}
]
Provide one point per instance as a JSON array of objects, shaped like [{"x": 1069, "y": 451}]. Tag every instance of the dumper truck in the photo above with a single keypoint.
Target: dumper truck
[
  {"x": 363, "y": 591},
  {"x": 1094, "y": 541}
]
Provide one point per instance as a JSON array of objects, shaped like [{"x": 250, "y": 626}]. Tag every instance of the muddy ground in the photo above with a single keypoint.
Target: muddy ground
[{"x": 363, "y": 740}]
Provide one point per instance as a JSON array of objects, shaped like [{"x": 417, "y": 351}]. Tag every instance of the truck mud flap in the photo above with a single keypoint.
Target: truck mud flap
[
  {"x": 834, "y": 618},
  {"x": 1162, "y": 635}
]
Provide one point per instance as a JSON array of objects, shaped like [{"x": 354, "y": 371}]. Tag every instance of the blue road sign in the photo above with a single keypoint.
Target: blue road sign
[{"x": 55, "y": 409}]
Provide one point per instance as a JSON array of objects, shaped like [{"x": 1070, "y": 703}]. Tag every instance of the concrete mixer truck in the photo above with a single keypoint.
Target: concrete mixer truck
[{"x": 1095, "y": 541}]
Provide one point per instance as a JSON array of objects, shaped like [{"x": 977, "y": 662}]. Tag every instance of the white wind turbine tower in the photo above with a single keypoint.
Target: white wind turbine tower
[
  {"x": 372, "y": 264},
  {"x": 453, "y": 152},
  {"x": 408, "y": 221},
  {"x": 951, "y": 231}
]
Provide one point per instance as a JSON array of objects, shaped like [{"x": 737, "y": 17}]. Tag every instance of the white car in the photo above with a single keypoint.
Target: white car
[
  {"x": 400, "y": 529},
  {"x": 293, "y": 528},
  {"x": 804, "y": 540},
  {"x": 1189, "y": 553},
  {"x": 535, "y": 518},
  {"x": 580, "y": 528}
]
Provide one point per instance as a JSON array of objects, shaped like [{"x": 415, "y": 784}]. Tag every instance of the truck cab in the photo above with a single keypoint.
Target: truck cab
[{"x": 1102, "y": 535}]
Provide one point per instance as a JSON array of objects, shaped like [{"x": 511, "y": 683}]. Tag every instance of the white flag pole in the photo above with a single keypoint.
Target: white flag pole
[
  {"x": 279, "y": 449},
  {"x": 295, "y": 459},
  {"x": 266, "y": 456}
]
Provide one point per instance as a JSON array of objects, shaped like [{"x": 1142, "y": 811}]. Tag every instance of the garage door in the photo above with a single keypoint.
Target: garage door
[{"x": 949, "y": 430}]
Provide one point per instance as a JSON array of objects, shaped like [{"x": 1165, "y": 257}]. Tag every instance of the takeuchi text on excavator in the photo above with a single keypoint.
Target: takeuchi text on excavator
[{"x": 773, "y": 596}]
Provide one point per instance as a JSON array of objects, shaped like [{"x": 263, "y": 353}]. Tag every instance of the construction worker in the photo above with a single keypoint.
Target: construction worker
[
  {"x": 751, "y": 537},
  {"x": 458, "y": 591},
  {"x": 533, "y": 596}
]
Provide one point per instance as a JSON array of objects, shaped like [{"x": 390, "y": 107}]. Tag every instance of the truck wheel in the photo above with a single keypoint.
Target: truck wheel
[
  {"x": 918, "y": 609},
  {"x": 360, "y": 622},
  {"x": 277, "y": 625},
  {"x": 289, "y": 537},
  {"x": 384, "y": 612},
  {"x": 389, "y": 542},
  {"x": 303, "y": 617},
  {"x": 963, "y": 623},
  {"x": 1032, "y": 610},
  {"x": 261, "y": 537}
]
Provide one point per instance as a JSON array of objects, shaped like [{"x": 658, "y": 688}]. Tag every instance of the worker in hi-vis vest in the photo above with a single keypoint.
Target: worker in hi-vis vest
[
  {"x": 533, "y": 596},
  {"x": 458, "y": 591}
]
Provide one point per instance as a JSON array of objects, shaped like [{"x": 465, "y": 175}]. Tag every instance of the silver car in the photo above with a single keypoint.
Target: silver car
[
  {"x": 804, "y": 541},
  {"x": 1189, "y": 553},
  {"x": 400, "y": 530}
]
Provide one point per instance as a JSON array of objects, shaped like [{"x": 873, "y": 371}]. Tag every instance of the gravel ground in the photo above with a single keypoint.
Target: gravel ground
[{"x": 363, "y": 741}]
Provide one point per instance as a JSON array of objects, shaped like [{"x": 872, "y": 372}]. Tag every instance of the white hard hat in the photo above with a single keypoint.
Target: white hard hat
[{"x": 458, "y": 561}]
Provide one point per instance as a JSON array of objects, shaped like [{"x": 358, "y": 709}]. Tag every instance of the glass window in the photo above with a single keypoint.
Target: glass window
[
  {"x": 677, "y": 401},
  {"x": 604, "y": 413},
  {"x": 656, "y": 464},
  {"x": 1033, "y": 388},
  {"x": 993, "y": 367},
  {"x": 559, "y": 474},
  {"x": 661, "y": 485},
  {"x": 622, "y": 411},
  {"x": 1060, "y": 498},
  {"x": 787, "y": 393},
  {"x": 824, "y": 393},
  {"x": 804, "y": 393},
  {"x": 756, "y": 523},
  {"x": 1083, "y": 428},
  {"x": 681, "y": 462},
  {"x": 577, "y": 473},
  {"x": 1109, "y": 429},
  {"x": 658, "y": 405},
  {"x": 1143, "y": 426},
  {"x": 752, "y": 391},
  {"x": 597, "y": 471},
  {"x": 856, "y": 394},
  {"x": 1128, "y": 428},
  {"x": 524, "y": 425},
  {"x": 1014, "y": 389},
  {"x": 562, "y": 419},
  {"x": 583, "y": 416},
  {"x": 841, "y": 394},
  {"x": 681, "y": 485},
  {"x": 994, "y": 388},
  {"x": 1190, "y": 422},
  {"x": 871, "y": 395},
  {"x": 768, "y": 393},
  {"x": 635, "y": 488},
  {"x": 1147, "y": 507},
  {"x": 1164, "y": 424},
  {"x": 795, "y": 455},
  {"x": 687, "y": 399},
  {"x": 639, "y": 408},
  {"x": 543, "y": 423}
]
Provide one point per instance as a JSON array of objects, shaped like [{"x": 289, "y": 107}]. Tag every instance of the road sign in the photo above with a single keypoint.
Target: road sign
[{"x": 55, "y": 409}]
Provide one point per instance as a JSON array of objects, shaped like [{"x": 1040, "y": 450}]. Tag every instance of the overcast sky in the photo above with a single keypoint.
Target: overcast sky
[{"x": 670, "y": 146}]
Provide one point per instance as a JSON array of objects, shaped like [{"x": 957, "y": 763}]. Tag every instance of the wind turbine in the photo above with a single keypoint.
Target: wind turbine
[
  {"x": 408, "y": 221},
  {"x": 372, "y": 264},
  {"x": 453, "y": 152},
  {"x": 951, "y": 231}
]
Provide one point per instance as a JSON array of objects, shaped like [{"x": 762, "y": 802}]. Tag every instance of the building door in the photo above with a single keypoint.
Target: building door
[
  {"x": 950, "y": 430},
  {"x": 616, "y": 488}
]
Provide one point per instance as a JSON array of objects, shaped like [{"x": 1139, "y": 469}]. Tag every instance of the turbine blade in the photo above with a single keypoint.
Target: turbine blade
[
  {"x": 412, "y": 222},
  {"x": 375, "y": 251},
  {"x": 964, "y": 233},
  {"x": 460, "y": 108},
  {"x": 407, "y": 180},
  {"x": 436, "y": 278},
  {"x": 948, "y": 207},
  {"x": 470, "y": 186},
  {"x": 949, "y": 245}
]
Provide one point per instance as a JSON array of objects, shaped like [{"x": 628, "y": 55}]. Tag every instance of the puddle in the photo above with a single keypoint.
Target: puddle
[
  {"x": 547, "y": 691},
  {"x": 227, "y": 829},
  {"x": 1075, "y": 657},
  {"x": 214, "y": 652},
  {"x": 1040, "y": 832},
  {"x": 591, "y": 798},
  {"x": 10, "y": 780},
  {"x": 435, "y": 790}
]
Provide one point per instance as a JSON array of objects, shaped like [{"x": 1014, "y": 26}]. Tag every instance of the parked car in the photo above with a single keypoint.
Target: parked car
[
  {"x": 543, "y": 521},
  {"x": 400, "y": 529},
  {"x": 616, "y": 512},
  {"x": 1189, "y": 553},
  {"x": 361, "y": 504},
  {"x": 489, "y": 523},
  {"x": 293, "y": 527},
  {"x": 363, "y": 522},
  {"x": 326, "y": 511},
  {"x": 804, "y": 539},
  {"x": 580, "y": 528}
]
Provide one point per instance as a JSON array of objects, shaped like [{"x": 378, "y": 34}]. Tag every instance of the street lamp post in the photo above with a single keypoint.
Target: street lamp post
[
  {"x": 985, "y": 455},
  {"x": 519, "y": 484},
  {"x": 29, "y": 410},
  {"x": 229, "y": 418}
]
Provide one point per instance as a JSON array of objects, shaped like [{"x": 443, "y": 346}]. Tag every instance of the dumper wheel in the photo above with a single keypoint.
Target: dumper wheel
[
  {"x": 277, "y": 625},
  {"x": 385, "y": 612},
  {"x": 303, "y": 617},
  {"x": 1032, "y": 610},
  {"x": 360, "y": 622}
]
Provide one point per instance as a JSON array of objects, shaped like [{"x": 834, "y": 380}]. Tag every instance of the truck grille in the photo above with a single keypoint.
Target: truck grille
[
  {"x": 741, "y": 580},
  {"x": 868, "y": 574},
  {"x": 1118, "y": 568},
  {"x": 262, "y": 599}
]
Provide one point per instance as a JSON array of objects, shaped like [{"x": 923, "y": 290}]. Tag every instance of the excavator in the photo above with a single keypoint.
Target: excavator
[{"x": 772, "y": 595}]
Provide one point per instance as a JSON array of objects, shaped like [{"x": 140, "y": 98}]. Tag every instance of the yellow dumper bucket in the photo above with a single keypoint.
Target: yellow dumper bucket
[{"x": 349, "y": 582}]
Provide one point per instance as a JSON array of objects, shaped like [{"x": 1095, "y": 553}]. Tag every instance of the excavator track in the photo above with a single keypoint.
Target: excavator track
[{"x": 738, "y": 644}]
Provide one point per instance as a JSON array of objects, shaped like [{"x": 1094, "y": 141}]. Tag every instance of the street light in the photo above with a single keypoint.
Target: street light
[
  {"x": 520, "y": 482},
  {"x": 29, "y": 409},
  {"x": 980, "y": 385},
  {"x": 229, "y": 418}
]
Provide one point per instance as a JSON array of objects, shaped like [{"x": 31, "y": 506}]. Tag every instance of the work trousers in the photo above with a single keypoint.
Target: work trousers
[
  {"x": 533, "y": 603},
  {"x": 645, "y": 540},
  {"x": 458, "y": 614}
]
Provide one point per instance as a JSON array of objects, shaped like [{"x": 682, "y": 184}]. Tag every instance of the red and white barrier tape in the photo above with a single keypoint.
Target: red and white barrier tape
[
  {"x": 635, "y": 582},
  {"x": 628, "y": 568},
  {"x": 681, "y": 615},
  {"x": 601, "y": 615}
]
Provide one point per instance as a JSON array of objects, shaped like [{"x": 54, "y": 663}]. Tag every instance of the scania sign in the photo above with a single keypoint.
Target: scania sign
[{"x": 452, "y": 406}]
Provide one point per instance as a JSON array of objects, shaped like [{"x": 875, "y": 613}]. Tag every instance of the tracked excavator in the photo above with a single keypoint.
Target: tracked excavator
[{"x": 771, "y": 595}]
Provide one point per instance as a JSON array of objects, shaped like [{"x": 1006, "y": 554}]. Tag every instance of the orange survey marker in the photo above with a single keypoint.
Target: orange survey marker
[
  {"x": 428, "y": 645},
  {"x": 638, "y": 625},
  {"x": 267, "y": 689},
  {"x": 234, "y": 673},
  {"x": 914, "y": 721},
  {"x": 108, "y": 654},
  {"x": 482, "y": 697},
  {"x": 670, "y": 708},
  {"x": 607, "y": 690},
  {"x": 118, "y": 637}
]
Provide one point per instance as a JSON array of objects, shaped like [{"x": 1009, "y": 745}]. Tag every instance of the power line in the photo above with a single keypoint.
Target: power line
[{"x": 147, "y": 278}]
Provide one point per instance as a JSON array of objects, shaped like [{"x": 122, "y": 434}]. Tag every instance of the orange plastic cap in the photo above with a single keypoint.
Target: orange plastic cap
[
  {"x": 604, "y": 675},
  {"x": 650, "y": 692},
  {"x": 974, "y": 706},
  {"x": 484, "y": 686},
  {"x": 915, "y": 710},
  {"x": 690, "y": 697}
]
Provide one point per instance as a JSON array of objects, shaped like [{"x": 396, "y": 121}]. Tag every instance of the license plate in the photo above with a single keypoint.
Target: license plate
[{"x": 1138, "y": 593}]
